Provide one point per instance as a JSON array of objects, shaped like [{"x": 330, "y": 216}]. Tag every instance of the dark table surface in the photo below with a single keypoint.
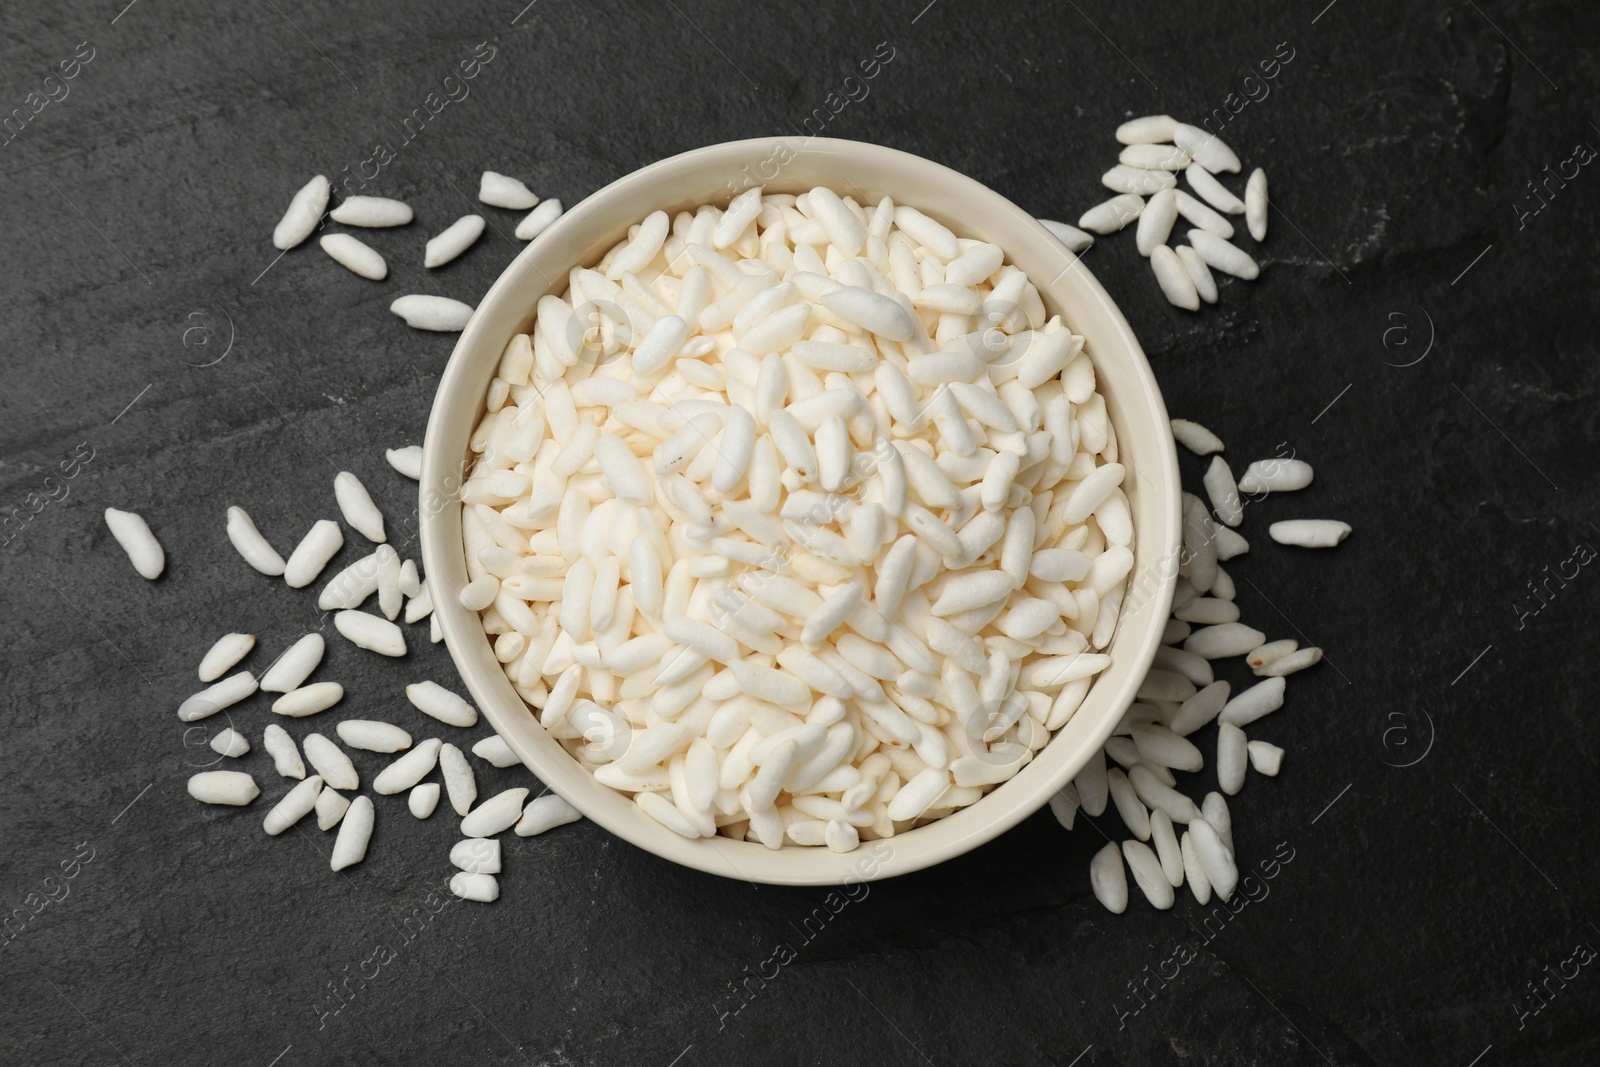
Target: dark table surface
[{"x": 1423, "y": 333}]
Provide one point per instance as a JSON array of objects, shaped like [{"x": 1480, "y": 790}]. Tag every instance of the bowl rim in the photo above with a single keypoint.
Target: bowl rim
[{"x": 439, "y": 509}]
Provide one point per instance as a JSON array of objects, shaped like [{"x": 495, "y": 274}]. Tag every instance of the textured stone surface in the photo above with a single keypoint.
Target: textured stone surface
[{"x": 1416, "y": 909}]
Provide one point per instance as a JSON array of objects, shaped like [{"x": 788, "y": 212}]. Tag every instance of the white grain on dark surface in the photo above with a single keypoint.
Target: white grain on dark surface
[{"x": 1422, "y": 332}]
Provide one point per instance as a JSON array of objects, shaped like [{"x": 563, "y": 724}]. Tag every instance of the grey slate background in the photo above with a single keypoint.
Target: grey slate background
[{"x": 1420, "y": 333}]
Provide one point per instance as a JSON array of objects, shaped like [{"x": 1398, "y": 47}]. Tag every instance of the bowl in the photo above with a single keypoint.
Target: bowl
[{"x": 714, "y": 174}]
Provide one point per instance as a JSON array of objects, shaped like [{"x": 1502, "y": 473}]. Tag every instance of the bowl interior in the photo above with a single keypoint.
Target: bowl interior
[{"x": 869, "y": 172}]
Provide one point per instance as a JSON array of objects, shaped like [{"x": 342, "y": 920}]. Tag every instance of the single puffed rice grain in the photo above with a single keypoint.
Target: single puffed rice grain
[
  {"x": 295, "y": 805},
  {"x": 285, "y": 754},
  {"x": 545, "y": 813},
  {"x": 1109, "y": 879},
  {"x": 329, "y": 760},
  {"x": 133, "y": 534},
  {"x": 308, "y": 700},
  {"x": 331, "y": 808},
  {"x": 500, "y": 812},
  {"x": 355, "y": 832},
  {"x": 230, "y": 788},
  {"x": 1265, "y": 758},
  {"x": 453, "y": 240},
  {"x": 231, "y": 743},
  {"x": 439, "y": 314},
  {"x": 423, "y": 799},
  {"x": 305, "y": 211},
  {"x": 226, "y": 653},
  {"x": 355, "y": 257},
  {"x": 371, "y": 212},
  {"x": 1309, "y": 533},
  {"x": 244, "y": 536},
  {"x": 502, "y": 190},
  {"x": 1255, "y": 204}
]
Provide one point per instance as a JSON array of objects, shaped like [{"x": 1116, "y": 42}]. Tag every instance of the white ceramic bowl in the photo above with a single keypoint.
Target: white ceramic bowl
[{"x": 714, "y": 174}]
